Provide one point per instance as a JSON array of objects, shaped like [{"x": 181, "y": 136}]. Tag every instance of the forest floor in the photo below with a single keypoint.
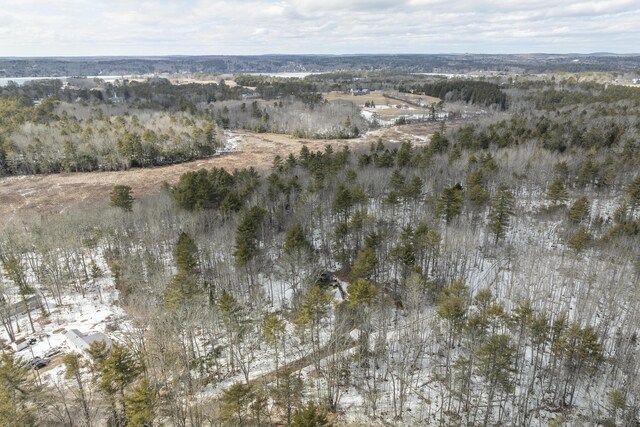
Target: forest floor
[{"x": 54, "y": 192}]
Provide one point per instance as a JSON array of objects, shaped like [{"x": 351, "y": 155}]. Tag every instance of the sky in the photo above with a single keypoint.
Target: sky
[{"x": 254, "y": 27}]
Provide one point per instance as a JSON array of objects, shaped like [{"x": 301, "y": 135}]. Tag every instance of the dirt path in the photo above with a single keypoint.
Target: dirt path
[{"x": 56, "y": 191}]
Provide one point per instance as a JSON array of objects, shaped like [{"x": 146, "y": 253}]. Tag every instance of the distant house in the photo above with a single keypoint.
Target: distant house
[
  {"x": 636, "y": 81},
  {"x": 19, "y": 308},
  {"x": 80, "y": 342},
  {"x": 250, "y": 94},
  {"x": 359, "y": 92}
]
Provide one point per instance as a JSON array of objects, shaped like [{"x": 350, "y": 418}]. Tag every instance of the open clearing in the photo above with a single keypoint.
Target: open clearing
[
  {"x": 39, "y": 193},
  {"x": 387, "y": 107}
]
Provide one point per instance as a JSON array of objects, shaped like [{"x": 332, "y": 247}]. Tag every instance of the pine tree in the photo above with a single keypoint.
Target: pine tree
[
  {"x": 73, "y": 371},
  {"x": 140, "y": 405},
  {"x": 315, "y": 307},
  {"x": 450, "y": 203},
  {"x": 580, "y": 240},
  {"x": 186, "y": 255},
  {"x": 588, "y": 171},
  {"x": 561, "y": 170},
  {"x": 476, "y": 192},
  {"x": 633, "y": 194},
  {"x": 502, "y": 208},
  {"x": 495, "y": 363},
  {"x": 287, "y": 393},
  {"x": 181, "y": 291},
  {"x": 310, "y": 416},
  {"x": 20, "y": 397},
  {"x": 413, "y": 190},
  {"x": 397, "y": 181},
  {"x": 452, "y": 305},
  {"x": 361, "y": 293},
  {"x": 556, "y": 193},
  {"x": 342, "y": 201},
  {"x": 579, "y": 211},
  {"x": 117, "y": 368},
  {"x": 183, "y": 288},
  {"x": 243, "y": 404},
  {"x": 296, "y": 242},
  {"x": 365, "y": 264},
  {"x": 121, "y": 197},
  {"x": 247, "y": 235},
  {"x": 229, "y": 307}
]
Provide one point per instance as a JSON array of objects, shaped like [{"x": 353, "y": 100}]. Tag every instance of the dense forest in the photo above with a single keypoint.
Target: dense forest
[
  {"x": 488, "y": 276},
  {"x": 473, "y": 92}
]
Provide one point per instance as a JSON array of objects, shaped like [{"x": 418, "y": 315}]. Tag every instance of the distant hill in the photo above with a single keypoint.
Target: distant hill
[{"x": 444, "y": 63}]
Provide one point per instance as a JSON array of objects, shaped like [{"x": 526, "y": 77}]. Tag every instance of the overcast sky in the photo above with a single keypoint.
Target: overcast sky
[{"x": 201, "y": 27}]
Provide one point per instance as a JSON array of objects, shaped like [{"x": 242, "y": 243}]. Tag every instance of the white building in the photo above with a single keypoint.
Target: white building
[{"x": 80, "y": 342}]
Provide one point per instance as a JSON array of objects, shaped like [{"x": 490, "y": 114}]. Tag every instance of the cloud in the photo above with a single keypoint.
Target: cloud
[{"x": 157, "y": 27}]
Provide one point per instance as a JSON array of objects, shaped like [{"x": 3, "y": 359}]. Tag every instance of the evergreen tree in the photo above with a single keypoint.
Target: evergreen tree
[
  {"x": 365, "y": 264},
  {"x": 310, "y": 416},
  {"x": 633, "y": 194},
  {"x": 343, "y": 201},
  {"x": 184, "y": 285},
  {"x": 588, "y": 172},
  {"x": 296, "y": 242},
  {"x": 117, "y": 368},
  {"x": 273, "y": 330},
  {"x": 73, "y": 371},
  {"x": 181, "y": 291},
  {"x": 20, "y": 397},
  {"x": 287, "y": 393},
  {"x": 556, "y": 193},
  {"x": 186, "y": 255},
  {"x": 247, "y": 235},
  {"x": 140, "y": 405},
  {"x": 580, "y": 240},
  {"x": 361, "y": 293},
  {"x": 452, "y": 305},
  {"x": 121, "y": 197},
  {"x": 476, "y": 192},
  {"x": 561, "y": 170},
  {"x": 450, "y": 203},
  {"x": 243, "y": 404},
  {"x": 397, "y": 181},
  {"x": 413, "y": 190},
  {"x": 579, "y": 211},
  {"x": 495, "y": 363},
  {"x": 502, "y": 208}
]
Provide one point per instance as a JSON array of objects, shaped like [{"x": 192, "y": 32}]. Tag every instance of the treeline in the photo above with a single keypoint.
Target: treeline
[
  {"x": 581, "y": 118},
  {"x": 155, "y": 93},
  {"x": 293, "y": 117},
  {"x": 469, "y": 91},
  {"x": 270, "y": 88},
  {"x": 56, "y": 137},
  {"x": 161, "y": 94}
]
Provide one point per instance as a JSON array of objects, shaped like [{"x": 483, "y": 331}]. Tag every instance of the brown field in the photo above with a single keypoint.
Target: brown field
[
  {"x": 40, "y": 193},
  {"x": 377, "y": 97}
]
